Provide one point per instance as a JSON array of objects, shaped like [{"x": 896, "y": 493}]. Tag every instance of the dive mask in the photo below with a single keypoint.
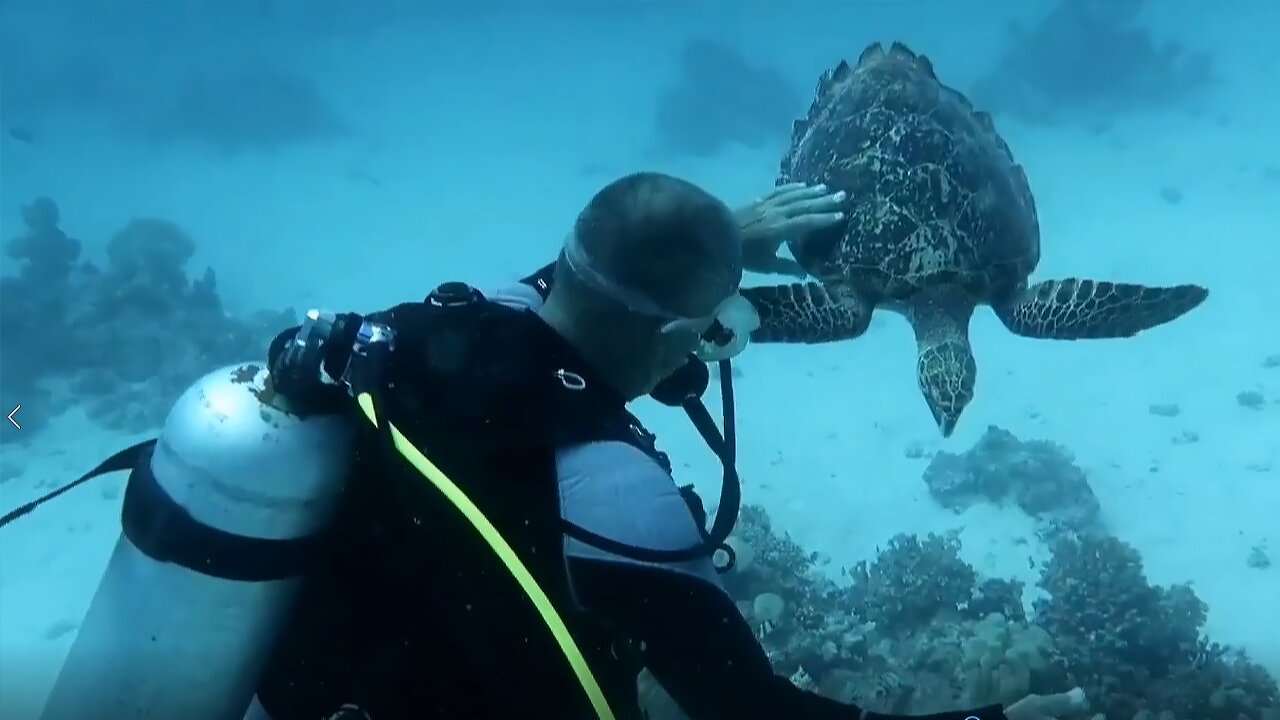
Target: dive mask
[{"x": 723, "y": 334}]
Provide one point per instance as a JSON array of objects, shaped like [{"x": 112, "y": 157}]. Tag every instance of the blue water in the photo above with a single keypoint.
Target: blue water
[{"x": 353, "y": 155}]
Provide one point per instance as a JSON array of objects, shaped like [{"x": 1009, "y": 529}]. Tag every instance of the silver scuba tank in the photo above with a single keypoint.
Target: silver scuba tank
[{"x": 216, "y": 528}]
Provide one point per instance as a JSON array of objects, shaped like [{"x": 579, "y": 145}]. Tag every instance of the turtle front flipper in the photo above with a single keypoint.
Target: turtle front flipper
[
  {"x": 806, "y": 313},
  {"x": 1075, "y": 309}
]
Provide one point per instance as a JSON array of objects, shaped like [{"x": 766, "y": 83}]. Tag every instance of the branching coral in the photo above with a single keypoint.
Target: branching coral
[
  {"x": 150, "y": 252},
  {"x": 1111, "y": 625},
  {"x": 946, "y": 648},
  {"x": 1135, "y": 647},
  {"x": 911, "y": 582},
  {"x": 45, "y": 251},
  {"x": 906, "y": 635},
  {"x": 121, "y": 341},
  {"x": 775, "y": 563}
]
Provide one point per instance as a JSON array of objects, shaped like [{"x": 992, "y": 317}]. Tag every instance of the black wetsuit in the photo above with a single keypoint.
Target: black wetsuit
[{"x": 467, "y": 657}]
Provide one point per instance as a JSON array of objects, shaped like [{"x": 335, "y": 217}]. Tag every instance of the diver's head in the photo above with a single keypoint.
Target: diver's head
[{"x": 650, "y": 262}]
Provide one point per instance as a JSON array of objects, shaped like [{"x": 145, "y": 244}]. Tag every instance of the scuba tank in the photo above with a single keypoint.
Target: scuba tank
[{"x": 221, "y": 514}]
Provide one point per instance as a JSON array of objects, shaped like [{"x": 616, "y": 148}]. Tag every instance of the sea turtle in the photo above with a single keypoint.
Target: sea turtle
[{"x": 940, "y": 218}]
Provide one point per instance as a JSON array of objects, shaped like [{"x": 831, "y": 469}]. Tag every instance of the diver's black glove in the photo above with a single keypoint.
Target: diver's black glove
[{"x": 299, "y": 378}]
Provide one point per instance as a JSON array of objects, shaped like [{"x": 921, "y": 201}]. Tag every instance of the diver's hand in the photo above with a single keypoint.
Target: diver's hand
[
  {"x": 1048, "y": 707},
  {"x": 785, "y": 212}
]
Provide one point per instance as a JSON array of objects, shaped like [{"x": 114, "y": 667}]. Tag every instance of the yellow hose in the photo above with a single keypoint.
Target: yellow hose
[{"x": 505, "y": 553}]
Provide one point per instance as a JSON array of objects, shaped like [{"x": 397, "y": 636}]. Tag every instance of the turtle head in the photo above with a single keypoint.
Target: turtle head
[
  {"x": 945, "y": 367},
  {"x": 946, "y": 372}
]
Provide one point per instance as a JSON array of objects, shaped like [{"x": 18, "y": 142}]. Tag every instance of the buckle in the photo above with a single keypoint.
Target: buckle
[{"x": 454, "y": 294}]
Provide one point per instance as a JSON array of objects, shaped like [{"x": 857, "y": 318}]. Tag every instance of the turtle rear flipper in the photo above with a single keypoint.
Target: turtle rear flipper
[
  {"x": 1075, "y": 309},
  {"x": 806, "y": 313}
]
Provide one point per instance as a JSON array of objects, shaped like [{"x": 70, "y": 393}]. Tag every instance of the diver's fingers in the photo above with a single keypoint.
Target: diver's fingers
[
  {"x": 1049, "y": 707},
  {"x": 1061, "y": 704},
  {"x": 798, "y": 192},
  {"x": 812, "y": 206},
  {"x": 781, "y": 191},
  {"x": 806, "y": 223}
]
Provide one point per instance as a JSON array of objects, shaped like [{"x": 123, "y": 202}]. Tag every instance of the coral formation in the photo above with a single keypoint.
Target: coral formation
[
  {"x": 720, "y": 98},
  {"x": 1087, "y": 59},
  {"x": 918, "y": 631},
  {"x": 1040, "y": 476},
  {"x": 915, "y": 630},
  {"x": 910, "y": 582},
  {"x": 1137, "y": 648},
  {"x": 121, "y": 341}
]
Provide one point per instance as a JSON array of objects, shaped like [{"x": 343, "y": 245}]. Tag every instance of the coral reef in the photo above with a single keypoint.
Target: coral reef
[
  {"x": 720, "y": 98},
  {"x": 121, "y": 341},
  {"x": 1039, "y": 476},
  {"x": 917, "y": 631},
  {"x": 910, "y": 582},
  {"x": 1087, "y": 60},
  {"x": 914, "y": 631},
  {"x": 1137, "y": 648}
]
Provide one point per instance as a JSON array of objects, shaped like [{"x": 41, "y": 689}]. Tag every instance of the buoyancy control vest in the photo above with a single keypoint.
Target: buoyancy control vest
[{"x": 429, "y": 622}]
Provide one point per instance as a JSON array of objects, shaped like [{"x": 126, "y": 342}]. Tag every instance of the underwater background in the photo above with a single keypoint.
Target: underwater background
[{"x": 180, "y": 179}]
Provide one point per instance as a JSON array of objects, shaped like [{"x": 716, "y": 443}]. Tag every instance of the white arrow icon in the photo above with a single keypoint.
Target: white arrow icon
[{"x": 12, "y": 413}]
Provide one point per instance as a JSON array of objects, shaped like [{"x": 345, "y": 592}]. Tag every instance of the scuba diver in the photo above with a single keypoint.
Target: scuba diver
[
  {"x": 417, "y": 623},
  {"x": 445, "y": 509}
]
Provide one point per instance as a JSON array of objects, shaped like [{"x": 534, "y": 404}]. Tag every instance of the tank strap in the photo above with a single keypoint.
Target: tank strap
[
  {"x": 125, "y": 459},
  {"x": 164, "y": 531}
]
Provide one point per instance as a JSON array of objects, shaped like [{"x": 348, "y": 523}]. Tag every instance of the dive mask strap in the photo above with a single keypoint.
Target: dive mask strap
[{"x": 717, "y": 329}]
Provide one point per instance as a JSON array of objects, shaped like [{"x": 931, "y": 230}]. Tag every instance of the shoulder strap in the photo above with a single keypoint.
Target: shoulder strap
[{"x": 513, "y": 383}]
